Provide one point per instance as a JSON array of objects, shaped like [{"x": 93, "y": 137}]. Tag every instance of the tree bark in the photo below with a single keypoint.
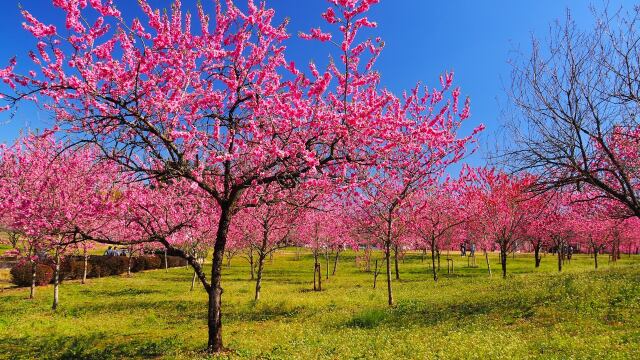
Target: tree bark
[
  {"x": 251, "y": 263},
  {"x": 166, "y": 264},
  {"x": 559, "y": 258},
  {"x": 387, "y": 255},
  {"x": 537, "y": 255},
  {"x": 335, "y": 262},
  {"x": 56, "y": 281},
  {"x": 193, "y": 281},
  {"x": 503, "y": 260},
  {"x": 214, "y": 315},
  {"x": 259, "y": 278},
  {"x": 433, "y": 262},
  {"x": 595, "y": 257},
  {"x": 86, "y": 265},
  {"x": 34, "y": 267},
  {"x": 486, "y": 257},
  {"x": 395, "y": 259}
]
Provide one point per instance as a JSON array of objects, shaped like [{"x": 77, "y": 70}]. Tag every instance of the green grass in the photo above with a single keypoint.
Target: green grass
[{"x": 535, "y": 313}]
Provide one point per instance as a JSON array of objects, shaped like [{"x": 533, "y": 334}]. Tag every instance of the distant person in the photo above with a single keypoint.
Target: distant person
[
  {"x": 123, "y": 252},
  {"x": 569, "y": 252},
  {"x": 473, "y": 250},
  {"x": 109, "y": 252},
  {"x": 463, "y": 249}
]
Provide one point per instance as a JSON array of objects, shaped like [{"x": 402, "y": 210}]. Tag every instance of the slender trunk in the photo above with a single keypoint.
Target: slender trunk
[
  {"x": 166, "y": 264},
  {"x": 375, "y": 274},
  {"x": 559, "y": 260},
  {"x": 214, "y": 314},
  {"x": 503, "y": 260},
  {"x": 86, "y": 265},
  {"x": 261, "y": 258},
  {"x": 387, "y": 255},
  {"x": 326, "y": 260},
  {"x": 433, "y": 261},
  {"x": 335, "y": 262},
  {"x": 424, "y": 252},
  {"x": 595, "y": 257},
  {"x": 486, "y": 257},
  {"x": 131, "y": 260},
  {"x": 34, "y": 267},
  {"x": 251, "y": 266},
  {"x": 537, "y": 255},
  {"x": 395, "y": 259},
  {"x": 438, "y": 256},
  {"x": 56, "y": 281},
  {"x": 319, "y": 269},
  {"x": 193, "y": 281}
]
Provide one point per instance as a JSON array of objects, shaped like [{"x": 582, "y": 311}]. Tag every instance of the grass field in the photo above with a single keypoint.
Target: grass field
[{"x": 535, "y": 313}]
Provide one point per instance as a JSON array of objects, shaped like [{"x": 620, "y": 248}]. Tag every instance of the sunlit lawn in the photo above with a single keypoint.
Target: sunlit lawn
[{"x": 535, "y": 313}]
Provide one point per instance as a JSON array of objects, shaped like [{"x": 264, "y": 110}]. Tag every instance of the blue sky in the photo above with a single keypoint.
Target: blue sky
[{"x": 423, "y": 38}]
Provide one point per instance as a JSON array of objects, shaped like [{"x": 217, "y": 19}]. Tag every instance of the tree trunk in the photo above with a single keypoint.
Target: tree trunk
[
  {"x": 34, "y": 267},
  {"x": 335, "y": 262},
  {"x": 486, "y": 257},
  {"x": 395, "y": 259},
  {"x": 86, "y": 265},
  {"x": 214, "y": 314},
  {"x": 193, "y": 281},
  {"x": 129, "y": 265},
  {"x": 326, "y": 260},
  {"x": 56, "y": 281},
  {"x": 559, "y": 258},
  {"x": 537, "y": 255},
  {"x": 433, "y": 262},
  {"x": 503, "y": 261},
  {"x": 259, "y": 278},
  {"x": 319, "y": 270},
  {"x": 375, "y": 274},
  {"x": 166, "y": 264},
  {"x": 438, "y": 256},
  {"x": 595, "y": 257},
  {"x": 251, "y": 263},
  {"x": 387, "y": 255}
]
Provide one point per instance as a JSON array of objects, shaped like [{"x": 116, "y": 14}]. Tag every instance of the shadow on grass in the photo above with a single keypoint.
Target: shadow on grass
[{"x": 95, "y": 346}]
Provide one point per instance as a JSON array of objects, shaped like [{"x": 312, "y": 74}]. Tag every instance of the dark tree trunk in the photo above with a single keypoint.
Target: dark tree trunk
[
  {"x": 251, "y": 266},
  {"x": 259, "y": 278},
  {"x": 375, "y": 274},
  {"x": 595, "y": 257},
  {"x": 503, "y": 260},
  {"x": 438, "y": 256},
  {"x": 433, "y": 261},
  {"x": 335, "y": 262},
  {"x": 387, "y": 255},
  {"x": 560, "y": 256},
  {"x": 214, "y": 315},
  {"x": 537, "y": 255},
  {"x": 395, "y": 260},
  {"x": 326, "y": 261}
]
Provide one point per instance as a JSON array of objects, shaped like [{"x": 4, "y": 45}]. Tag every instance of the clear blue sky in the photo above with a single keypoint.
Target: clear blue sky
[{"x": 423, "y": 39}]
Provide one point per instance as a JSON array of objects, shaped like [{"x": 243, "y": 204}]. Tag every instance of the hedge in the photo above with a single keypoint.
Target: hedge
[
  {"x": 21, "y": 274},
  {"x": 72, "y": 267}
]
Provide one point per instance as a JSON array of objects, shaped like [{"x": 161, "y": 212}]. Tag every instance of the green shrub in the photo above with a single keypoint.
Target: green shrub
[{"x": 21, "y": 274}]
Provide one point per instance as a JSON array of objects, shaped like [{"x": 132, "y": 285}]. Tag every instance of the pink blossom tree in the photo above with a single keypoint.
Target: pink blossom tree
[{"x": 219, "y": 106}]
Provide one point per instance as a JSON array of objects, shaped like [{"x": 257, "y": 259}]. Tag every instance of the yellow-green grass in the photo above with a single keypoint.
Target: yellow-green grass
[{"x": 534, "y": 313}]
